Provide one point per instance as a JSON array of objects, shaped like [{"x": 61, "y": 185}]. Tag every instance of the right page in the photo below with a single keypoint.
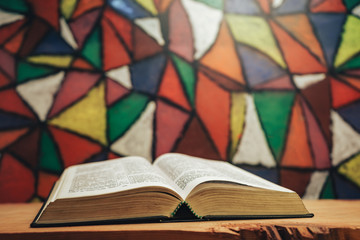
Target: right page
[{"x": 187, "y": 172}]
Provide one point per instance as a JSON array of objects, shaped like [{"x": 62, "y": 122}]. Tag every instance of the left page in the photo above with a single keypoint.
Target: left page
[{"x": 108, "y": 177}]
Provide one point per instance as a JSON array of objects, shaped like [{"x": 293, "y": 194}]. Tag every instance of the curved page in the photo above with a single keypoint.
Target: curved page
[
  {"x": 188, "y": 172},
  {"x": 108, "y": 177}
]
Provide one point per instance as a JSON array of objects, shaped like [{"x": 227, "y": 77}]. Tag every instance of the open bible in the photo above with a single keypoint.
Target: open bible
[{"x": 174, "y": 187}]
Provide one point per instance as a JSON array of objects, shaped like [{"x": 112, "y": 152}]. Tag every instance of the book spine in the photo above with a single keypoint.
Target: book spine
[{"x": 187, "y": 205}]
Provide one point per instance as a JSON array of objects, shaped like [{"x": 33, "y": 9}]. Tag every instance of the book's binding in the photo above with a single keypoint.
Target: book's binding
[
  {"x": 162, "y": 219},
  {"x": 154, "y": 219},
  {"x": 244, "y": 217},
  {"x": 182, "y": 213},
  {"x": 34, "y": 222}
]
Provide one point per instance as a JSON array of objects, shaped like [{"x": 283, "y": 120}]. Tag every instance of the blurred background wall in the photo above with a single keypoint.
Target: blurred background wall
[{"x": 269, "y": 85}]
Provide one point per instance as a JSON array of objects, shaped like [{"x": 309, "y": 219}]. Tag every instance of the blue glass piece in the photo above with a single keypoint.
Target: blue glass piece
[
  {"x": 270, "y": 174},
  {"x": 98, "y": 158},
  {"x": 351, "y": 114},
  {"x": 242, "y": 7},
  {"x": 129, "y": 9},
  {"x": 328, "y": 28},
  {"x": 258, "y": 67},
  {"x": 9, "y": 121},
  {"x": 146, "y": 74},
  {"x": 292, "y": 6},
  {"x": 345, "y": 189},
  {"x": 53, "y": 43}
]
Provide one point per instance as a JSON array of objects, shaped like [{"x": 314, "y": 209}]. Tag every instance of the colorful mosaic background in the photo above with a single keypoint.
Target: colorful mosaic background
[{"x": 273, "y": 86}]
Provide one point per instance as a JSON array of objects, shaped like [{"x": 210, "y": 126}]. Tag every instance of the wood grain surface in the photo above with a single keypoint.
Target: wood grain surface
[{"x": 334, "y": 219}]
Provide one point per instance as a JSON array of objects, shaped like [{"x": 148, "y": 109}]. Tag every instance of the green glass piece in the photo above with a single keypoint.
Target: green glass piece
[
  {"x": 350, "y": 4},
  {"x": 274, "y": 110},
  {"x": 351, "y": 64},
  {"x": 187, "y": 76},
  {"x": 14, "y": 6},
  {"x": 328, "y": 190},
  {"x": 124, "y": 113},
  {"x": 49, "y": 159},
  {"x": 26, "y": 71},
  {"x": 213, "y": 3},
  {"x": 92, "y": 48}
]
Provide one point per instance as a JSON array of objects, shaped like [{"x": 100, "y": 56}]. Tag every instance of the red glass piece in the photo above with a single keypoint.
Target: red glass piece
[
  {"x": 74, "y": 149},
  {"x": 16, "y": 181}
]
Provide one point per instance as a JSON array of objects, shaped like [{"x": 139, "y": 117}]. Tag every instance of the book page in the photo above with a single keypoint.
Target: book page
[
  {"x": 187, "y": 172},
  {"x": 108, "y": 177}
]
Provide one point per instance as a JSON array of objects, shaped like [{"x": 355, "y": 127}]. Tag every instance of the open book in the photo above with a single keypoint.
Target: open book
[{"x": 175, "y": 187}]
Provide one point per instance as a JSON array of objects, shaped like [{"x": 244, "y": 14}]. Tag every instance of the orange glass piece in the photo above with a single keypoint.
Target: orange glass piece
[
  {"x": 297, "y": 149},
  {"x": 223, "y": 58},
  {"x": 213, "y": 107},
  {"x": 298, "y": 59},
  {"x": 171, "y": 87}
]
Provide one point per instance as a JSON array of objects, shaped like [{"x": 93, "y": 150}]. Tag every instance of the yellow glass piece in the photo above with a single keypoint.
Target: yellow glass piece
[
  {"x": 62, "y": 61},
  {"x": 255, "y": 31},
  {"x": 36, "y": 200},
  {"x": 351, "y": 169},
  {"x": 87, "y": 117},
  {"x": 350, "y": 44},
  {"x": 67, "y": 7},
  {"x": 238, "y": 106},
  {"x": 148, "y": 5}
]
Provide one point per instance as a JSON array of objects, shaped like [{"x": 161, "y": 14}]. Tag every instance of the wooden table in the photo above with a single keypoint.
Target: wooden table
[{"x": 334, "y": 219}]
